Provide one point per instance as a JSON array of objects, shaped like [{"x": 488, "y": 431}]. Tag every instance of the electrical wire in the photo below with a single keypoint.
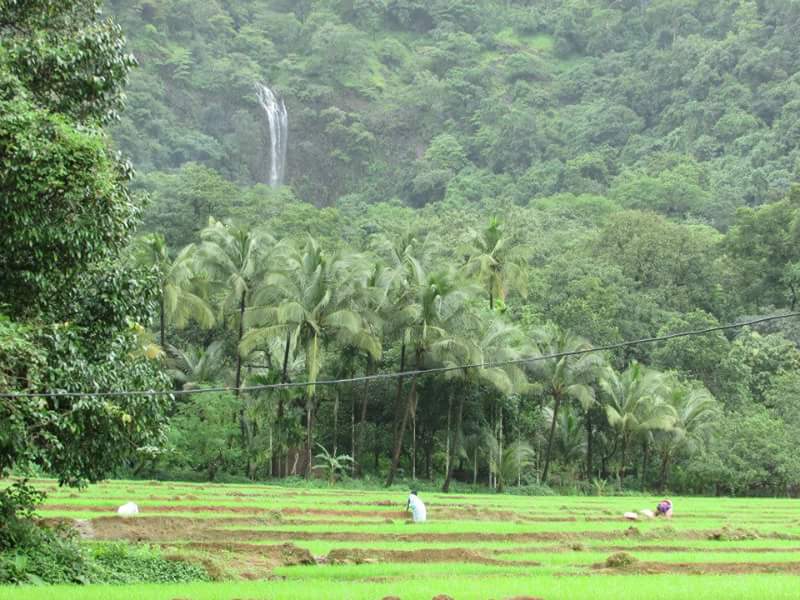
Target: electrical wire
[{"x": 413, "y": 373}]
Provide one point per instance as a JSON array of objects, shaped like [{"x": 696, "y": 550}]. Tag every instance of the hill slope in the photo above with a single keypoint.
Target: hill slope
[{"x": 686, "y": 107}]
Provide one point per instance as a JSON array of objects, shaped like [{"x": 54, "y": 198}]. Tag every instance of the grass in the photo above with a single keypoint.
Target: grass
[
  {"x": 666, "y": 587},
  {"x": 474, "y": 546}
]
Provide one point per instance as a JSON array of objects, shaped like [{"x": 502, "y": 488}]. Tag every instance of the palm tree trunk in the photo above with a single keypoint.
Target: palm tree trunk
[
  {"x": 662, "y": 478},
  {"x": 238, "y": 342},
  {"x": 519, "y": 463},
  {"x": 276, "y": 458},
  {"x": 428, "y": 449},
  {"x": 645, "y": 457},
  {"x": 335, "y": 421},
  {"x": 285, "y": 369},
  {"x": 312, "y": 370},
  {"x": 491, "y": 453},
  {"x": 161, "y": 323},
  {"x": 352, "y": 421},
  {"x": 589, "y": 440},
  {"x": 309, "y": 435},
  {"x": 475, "y": 466},
  {"x": 455, "y": 444},
  {"x": 242, "y": 424},
  {"x": 403, "y": 422},
  {"x": 547, "y": 456},
  {"x": 500, "y": 452},
  {"x": 399, "y": 420},
  {"x": 363, "y": 421},
  {"x": 447, "y": 439},
  {"x": 413, "y": 409},
  {"x": 623, "y": 458},
  {"x": 276, "y": 465}
]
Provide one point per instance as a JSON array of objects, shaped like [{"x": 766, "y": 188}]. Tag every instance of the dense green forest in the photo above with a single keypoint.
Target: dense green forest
[
  {"x": 684, "y": 107},
  {"x": 466, "y": 182}
]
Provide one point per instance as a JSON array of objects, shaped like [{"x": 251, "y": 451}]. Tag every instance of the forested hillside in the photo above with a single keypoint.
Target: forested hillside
[{"x": 686, "y": 107}]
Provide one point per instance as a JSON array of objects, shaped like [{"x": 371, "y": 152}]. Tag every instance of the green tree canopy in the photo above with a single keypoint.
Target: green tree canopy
[{"x": 75, "y": 308}]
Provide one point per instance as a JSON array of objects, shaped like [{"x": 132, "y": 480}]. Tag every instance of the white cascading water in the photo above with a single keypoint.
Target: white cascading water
[{"x": 278, "y": 132}]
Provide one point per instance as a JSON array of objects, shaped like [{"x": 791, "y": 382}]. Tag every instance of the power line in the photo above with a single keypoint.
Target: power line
[{"x": 382, "y": 376}]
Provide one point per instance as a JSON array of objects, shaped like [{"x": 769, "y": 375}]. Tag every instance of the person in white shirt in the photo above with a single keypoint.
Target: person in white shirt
[{"x": 417, "y": 508}]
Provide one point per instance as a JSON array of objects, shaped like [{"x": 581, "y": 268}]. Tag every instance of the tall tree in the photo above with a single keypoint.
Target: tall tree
[
  {"x": 67, "y": 214},
  {"x": 310, "y": 297},
  {"x": 438, "y": 299},
  {"x": 489, "y": 339},
  {"x": 64, "y": 192},
  {"x": 234, "y": 257},
  {"x": 376, "y": 299},
  {"x": 634, "y": 405},
  {"x": 498, "y": 262},
  {"x": 178, "y": 303},
  {"x": 766, "y": 243},
  {"x": 403, "y": 310},
  {"x": 563, "y": 377},
  {"x": 696, "y": 412}
]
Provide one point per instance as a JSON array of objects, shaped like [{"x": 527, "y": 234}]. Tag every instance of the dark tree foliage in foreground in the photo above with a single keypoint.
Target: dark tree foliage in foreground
[{"x": 69, "y": 307}]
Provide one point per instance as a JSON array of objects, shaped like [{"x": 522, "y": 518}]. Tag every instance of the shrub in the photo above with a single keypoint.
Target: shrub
[
  {"x": 120, "y": 562},
  {"x": 17, "y": 505},
  {"x": 48, "y": 556},
  {"x": 32, "y": 553},
  {"x": 532, "y": 489}
]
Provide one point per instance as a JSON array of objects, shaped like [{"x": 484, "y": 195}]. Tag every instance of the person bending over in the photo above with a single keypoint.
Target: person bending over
[
  {"x": 664, "y": 508},
  {"x": 417, "y": 508}
]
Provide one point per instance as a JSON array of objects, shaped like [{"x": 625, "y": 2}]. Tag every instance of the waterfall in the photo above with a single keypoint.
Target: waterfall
[{"x": 278, "y": 132}]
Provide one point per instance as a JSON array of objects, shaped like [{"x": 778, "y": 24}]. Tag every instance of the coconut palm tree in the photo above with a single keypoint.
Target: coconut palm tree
[
  {"x": 234, "y": 258},
  {"x": 488, "y": 339},
  {"x": 563, "y": 377},
  {"x": 437, "y": 301},
  {"x": 310, "y": 297},
  {"x": 569, "y": 441},
  {"x": 696, "y": 412},
  {"x": 497, "y": 262},
  {"x": 515, "y": 459},
  {"x": 192, "y": 367},
  {"x": 400, "y": 253},
  {"x": 178, "y": 303},
  {"x": 377, "y": 301},
  {"x": 634, "y": 405},
  {"x": 274, "y": 363}
]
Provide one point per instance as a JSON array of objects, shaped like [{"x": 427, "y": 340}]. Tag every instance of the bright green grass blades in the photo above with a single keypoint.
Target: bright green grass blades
[{"x": 472, "y": 547}]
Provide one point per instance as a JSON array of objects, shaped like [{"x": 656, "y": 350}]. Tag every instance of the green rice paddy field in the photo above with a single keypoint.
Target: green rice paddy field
[{"x": 270, "y": 542}]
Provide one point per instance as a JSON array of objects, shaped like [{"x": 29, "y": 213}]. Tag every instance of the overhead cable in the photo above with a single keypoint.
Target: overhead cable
[{"x": 396, "y": 375}]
